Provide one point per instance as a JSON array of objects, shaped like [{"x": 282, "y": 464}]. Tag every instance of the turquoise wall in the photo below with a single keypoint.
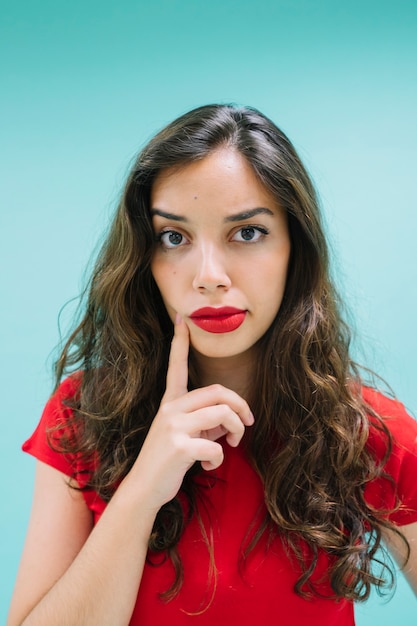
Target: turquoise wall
[{"x": 84, "y": 84}]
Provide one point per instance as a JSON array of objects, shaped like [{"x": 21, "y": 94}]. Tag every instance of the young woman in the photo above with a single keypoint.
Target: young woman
[{"x": 241, "y": 473}]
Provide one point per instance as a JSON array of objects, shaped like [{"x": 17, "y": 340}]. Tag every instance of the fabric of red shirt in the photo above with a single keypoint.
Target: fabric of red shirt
[{"x": 262, "y": 591}]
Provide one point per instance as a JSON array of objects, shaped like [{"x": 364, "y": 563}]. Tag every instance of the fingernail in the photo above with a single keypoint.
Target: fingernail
[
  {"x": 178, "y": 318},
  {"x": 251, "y": 418}
]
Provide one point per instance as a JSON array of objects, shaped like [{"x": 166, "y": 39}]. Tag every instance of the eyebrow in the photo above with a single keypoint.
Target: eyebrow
[
  {"x": 237, "y": 217},
  {"x": 169, "y": 216},
  {"x": 245, "y": 215}
]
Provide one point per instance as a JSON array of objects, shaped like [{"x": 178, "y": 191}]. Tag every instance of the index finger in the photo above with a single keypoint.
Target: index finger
[{"x": 177, "y": 374}]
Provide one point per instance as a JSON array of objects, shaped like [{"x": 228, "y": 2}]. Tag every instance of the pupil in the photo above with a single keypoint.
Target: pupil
[
  {"x": 175, "y": 238},
  {"x": 247, "y": 233}
]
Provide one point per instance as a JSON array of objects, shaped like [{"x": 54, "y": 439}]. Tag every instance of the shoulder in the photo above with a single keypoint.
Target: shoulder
[
  {"x": 398, "y": 422},
  {"x": 55, "y": 426},
  {"x": 60, "y": 406},
  {"x": 392, "y": 441},
  {"x": 68, "y": 389},
  {"x": 383, "y": 405}
]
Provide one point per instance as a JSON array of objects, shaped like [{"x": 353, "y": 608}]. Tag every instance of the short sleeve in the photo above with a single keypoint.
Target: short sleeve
[
  {"x": 44, "y": 443},
  {"x": 55, "y": 423},
  {"x": 397, "y": 492}
]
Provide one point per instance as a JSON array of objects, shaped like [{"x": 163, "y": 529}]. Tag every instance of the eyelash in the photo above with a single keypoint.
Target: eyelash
[
  {"x": 159, "y": 236},
  {"x": 260, "y": 229}
]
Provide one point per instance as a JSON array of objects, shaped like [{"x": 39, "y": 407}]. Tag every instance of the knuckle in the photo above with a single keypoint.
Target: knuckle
[
  {"x": 222, "y": 408},
  {"x": 219, "y": 456},
  {"x": 164, "y": 411},
  {"x": 216, "y": 388},
  {"x": 166, "y": 418},
  {"x": 180, "y": 445}
]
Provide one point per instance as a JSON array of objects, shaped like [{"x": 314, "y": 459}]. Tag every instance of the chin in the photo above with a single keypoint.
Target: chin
[{"x": 217, "y": 346}]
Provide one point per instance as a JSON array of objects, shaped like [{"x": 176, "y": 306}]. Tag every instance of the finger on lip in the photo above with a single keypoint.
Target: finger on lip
[{"x": 177, "y": 374}]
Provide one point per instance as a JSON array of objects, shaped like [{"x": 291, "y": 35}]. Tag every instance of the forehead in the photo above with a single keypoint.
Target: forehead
[{"x": 224, "y": 176}]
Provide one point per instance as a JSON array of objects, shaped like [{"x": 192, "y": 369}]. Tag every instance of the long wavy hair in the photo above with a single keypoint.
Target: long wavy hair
[{"x": 308, "y": 443}]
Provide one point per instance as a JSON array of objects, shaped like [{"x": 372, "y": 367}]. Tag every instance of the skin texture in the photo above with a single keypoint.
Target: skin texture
[{"x": 213, "y": 252}]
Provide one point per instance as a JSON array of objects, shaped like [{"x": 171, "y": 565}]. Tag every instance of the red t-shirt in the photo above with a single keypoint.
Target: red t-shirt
[{"x": 262, "y": 592}]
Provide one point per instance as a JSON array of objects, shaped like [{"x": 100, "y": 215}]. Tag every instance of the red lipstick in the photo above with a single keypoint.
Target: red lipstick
[{"x": 218, "y": 320}]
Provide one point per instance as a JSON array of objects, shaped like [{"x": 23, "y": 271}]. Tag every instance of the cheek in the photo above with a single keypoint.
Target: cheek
[
  {"x": 158, "y": 277},
  {"x": 168, "y": 276},
  {"x": 274, "y": 272},
  {"x": 166, "y": 286},
  {"x": 274, "y": 281},
  {"x": 166, "y": 295},
  {"x": 280, "y": 268},
  {"x": 158, "y": 270}
]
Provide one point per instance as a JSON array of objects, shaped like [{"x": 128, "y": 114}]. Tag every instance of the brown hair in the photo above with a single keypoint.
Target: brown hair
[{"x": 311, "y": 422}]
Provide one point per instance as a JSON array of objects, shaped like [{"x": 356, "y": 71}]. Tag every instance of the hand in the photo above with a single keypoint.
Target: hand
[{"x": 187, "y": 426}]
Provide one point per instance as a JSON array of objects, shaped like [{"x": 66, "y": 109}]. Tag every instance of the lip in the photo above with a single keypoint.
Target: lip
[{"x": 218, "y": 320}]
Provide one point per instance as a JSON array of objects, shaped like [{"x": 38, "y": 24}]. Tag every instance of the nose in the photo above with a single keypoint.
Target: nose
[{"x": 210, "y": 269}]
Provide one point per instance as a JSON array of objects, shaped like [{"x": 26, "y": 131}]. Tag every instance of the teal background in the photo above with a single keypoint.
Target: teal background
[{"x": 85, "y": 84}]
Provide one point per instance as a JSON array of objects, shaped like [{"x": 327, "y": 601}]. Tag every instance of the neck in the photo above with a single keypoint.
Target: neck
[{"x": 232, "y": 372}]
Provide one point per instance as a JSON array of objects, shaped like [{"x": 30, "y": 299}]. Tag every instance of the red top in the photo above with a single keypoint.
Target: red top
[{"x": 261, "y": 592}]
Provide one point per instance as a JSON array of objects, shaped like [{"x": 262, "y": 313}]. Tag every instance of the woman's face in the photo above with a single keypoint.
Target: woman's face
[{"x": 222, "y": 251}]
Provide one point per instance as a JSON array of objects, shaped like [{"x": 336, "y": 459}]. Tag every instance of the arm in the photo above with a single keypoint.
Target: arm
[
  {"x": 397, "y": 549},
  {"x": 69, "y": 574},
  {"x": 77, "y": 575},
  {"x": 59, "y": 526}
]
